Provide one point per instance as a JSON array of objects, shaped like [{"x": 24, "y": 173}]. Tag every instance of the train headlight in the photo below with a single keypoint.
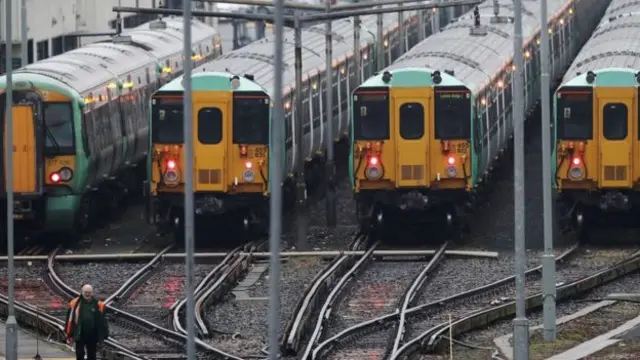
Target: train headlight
[
  {"x": 65, "y": 173},
  {"x": 576, "y": 173},
  {"x": 374, "y": 169},
  {"x": 248, "y": 175},
  {"x": 452, "y": 171},
  {"x": 171, "y": 177}
]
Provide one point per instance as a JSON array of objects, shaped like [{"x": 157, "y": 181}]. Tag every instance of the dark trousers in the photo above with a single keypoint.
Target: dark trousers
[{"x": 91, "y": 349}]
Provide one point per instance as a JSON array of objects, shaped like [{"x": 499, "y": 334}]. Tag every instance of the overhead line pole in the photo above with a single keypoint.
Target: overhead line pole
[
  {"x": 330, "y": 164},
  {"x": 189, "y": 213},
  {"x": 11, "y": 340},
  {"x": 275, "y": 173},
  {"x": 23, "y": 34},
  {"x": 521, "y": 324},
  {"x": 548, "y": 259}
]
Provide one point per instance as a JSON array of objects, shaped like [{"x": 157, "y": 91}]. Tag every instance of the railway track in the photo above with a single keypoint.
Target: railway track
[{"x": 153, "y": 340}]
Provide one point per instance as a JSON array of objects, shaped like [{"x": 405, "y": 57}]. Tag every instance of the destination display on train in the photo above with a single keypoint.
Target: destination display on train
[
  {"x": 371, "y": 96},
  {"x": 452, "y": 95},
  {"x": 174, "y": 100},
  {"x": 574, "y": 95}
]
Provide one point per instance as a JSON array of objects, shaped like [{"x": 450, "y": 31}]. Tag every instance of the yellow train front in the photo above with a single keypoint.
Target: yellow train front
[
  {"x": 596, "y": 163},
  {"x": 411, "y": 153},
  {"x": 231, "y": 119}
]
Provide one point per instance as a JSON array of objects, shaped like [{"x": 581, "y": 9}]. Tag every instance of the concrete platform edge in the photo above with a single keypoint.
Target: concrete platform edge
[{"x": 505, "y": 348}]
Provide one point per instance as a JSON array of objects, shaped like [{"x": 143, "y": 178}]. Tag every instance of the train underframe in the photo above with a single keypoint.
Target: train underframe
[
  {"x": 59, "y": 211},
  {"x": 250, "y": 209},
  {"x": 380, "y": 210},
  {"x": 580, "y": 210}
]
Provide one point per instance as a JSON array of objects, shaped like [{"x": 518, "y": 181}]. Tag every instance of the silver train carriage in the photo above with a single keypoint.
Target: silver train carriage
[
  {"x": 87, "y": 111},
  {"x": 483, "y": 61}
]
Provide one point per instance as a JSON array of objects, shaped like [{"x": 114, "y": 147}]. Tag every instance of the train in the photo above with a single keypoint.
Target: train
[
  {"x": 81, "y": 123},
  {"x": 254, "y": 64},
  {"x": 596, "y": 158},
  {"x": 429, "y": 129}
]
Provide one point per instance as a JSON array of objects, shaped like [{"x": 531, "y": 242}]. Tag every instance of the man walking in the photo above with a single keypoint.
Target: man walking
[{"x": 86, "y": 324}]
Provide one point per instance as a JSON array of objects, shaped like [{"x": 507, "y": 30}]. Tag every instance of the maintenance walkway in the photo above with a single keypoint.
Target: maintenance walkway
[{"x": 28, "y": 346}]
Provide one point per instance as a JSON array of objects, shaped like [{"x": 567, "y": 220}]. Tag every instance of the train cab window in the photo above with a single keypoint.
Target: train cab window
[
  {"x": 411, "y": 121},
  {"x": 574, "y": 114},
  {"x": 453, "y": 114},
  {"x": 371, "y": 115},
  {"x": 58, "y": 120},
  {"x": 251, "y": 119},
  {"x": 210, "y": 126},
  {"x": 166, "y": 122},
  {"x": 614, "y": 121}
]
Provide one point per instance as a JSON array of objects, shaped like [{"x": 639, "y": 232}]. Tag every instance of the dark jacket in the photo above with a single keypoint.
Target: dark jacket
[{"x": 79, "y": 309}]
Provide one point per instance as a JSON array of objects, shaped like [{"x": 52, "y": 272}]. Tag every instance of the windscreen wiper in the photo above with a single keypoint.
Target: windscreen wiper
[{"x": 51, "y": 137}]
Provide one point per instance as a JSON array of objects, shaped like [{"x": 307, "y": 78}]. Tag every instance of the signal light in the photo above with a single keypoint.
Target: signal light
[
  {"x": 451, "y": 160},
  {"x": 373, "y": 161},
  {"x": 576, "y": 161},
  {"x": 54, "y": 177},
  {"x": 171, "y": 164},
  {"x": 248, "y": 165}
]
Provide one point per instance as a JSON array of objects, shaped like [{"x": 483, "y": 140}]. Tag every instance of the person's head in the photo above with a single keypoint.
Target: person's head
[{"x": 87, "y": 292}]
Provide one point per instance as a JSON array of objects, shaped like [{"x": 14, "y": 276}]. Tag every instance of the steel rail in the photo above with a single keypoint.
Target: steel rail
[
  {"x": 230, "y": 275},
  {"x": 256, "y": 255},
  {"x": 310, "y": 301},
  {"x": 410, "y": 296},
  {"x": 420, "y": 310},
  {"x": 166, "y": 334},
  {"x": 325, "y": 311},
  {"x": 177, "y": 307},
  {"x": 485, "y": 316},
  {"x": 44, "y": 323},
  {"x": 136, "y": 278}
]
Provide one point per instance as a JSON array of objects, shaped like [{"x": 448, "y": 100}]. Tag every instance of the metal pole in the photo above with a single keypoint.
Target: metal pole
[
  {"x": 23, "y": 34},
  {"x": 422, "y": 30},
  {"x": 548, "y": 259},
  {"x": 301, "y": 187},
  {"x": 380, "y": 41},
  {"x": 276, "y": 151},
  {"x": 11, "y": 341},
  {"x": 330, "y": 166},
  {"x": 356, "y": 46},
  {"x": 521, "y": 324},
  {"x": 436, "y": 19},
  {"x": 402, "y": 32},
  {"x": 188, "y": 184}
]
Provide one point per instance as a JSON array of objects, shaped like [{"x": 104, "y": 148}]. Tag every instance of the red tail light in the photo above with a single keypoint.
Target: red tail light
[
  {"x": 171, "y": 164},
  {"x": 576, "y": 161},
  {"x": 451, "y": 160},
  {"x": 373, "y": 161},
  {"x": 243, "y": 150},
  {"x": 54, "y": 177}
]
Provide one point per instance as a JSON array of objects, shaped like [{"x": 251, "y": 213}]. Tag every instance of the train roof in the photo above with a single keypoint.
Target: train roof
[
  {"x": 258, "y": 57},
  {"x": 411, "y": 77},
  {"x": 606, "y": 77},
  {"x": 475, "y": 59},
  {"x": 615, "y": 44},
  {"x": 97, "y": 63},
  {"x": 212, "y": 81}
]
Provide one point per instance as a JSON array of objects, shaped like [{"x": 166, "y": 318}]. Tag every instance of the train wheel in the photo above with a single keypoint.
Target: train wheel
[
  {"x": 178, "y": 229},
  {"x": 581, "y": 224}
]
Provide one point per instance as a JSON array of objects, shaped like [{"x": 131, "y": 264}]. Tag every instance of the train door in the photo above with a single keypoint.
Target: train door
[
  {"x": 411, "y": 129},
  {"x": 210, "y": 139},
  {"x": 25, "y": 151},
  {"x": 615, "y": 129}
]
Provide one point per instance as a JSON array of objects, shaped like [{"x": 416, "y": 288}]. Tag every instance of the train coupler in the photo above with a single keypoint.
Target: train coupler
[{"x": 414, "y": 201}]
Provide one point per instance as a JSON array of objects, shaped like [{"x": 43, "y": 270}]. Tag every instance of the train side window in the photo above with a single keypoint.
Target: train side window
[
  {"x": 411, "y": 121},
  {"x": 210, "y": 126},
  {"x": 614, "y": 121},
  {"x": 85, "y": 134}
]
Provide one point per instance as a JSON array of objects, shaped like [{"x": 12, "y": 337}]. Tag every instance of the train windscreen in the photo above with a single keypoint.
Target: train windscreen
[
  {"x": 574, "y": 114},
  {"x": 371, "y": 114},
  {"x": 452, "y": 110},
  {"x": 251, "y": 118},
  {"x": 58, "y": 120},
  {"x": 166, "y": 120}
]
